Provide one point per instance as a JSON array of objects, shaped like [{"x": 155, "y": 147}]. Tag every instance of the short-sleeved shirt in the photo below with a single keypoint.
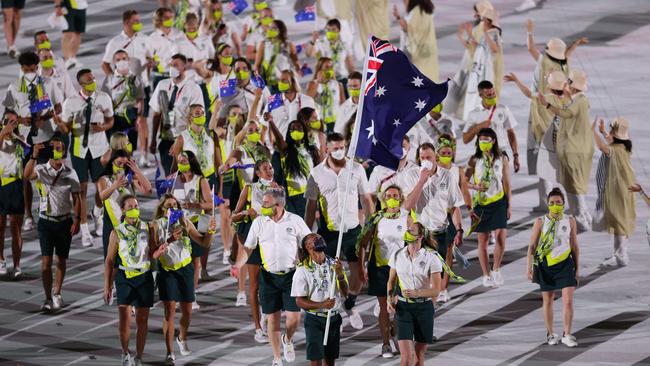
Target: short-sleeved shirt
[
  {"x": 56, "y": 188},
  {"x": 502, "y": 121},
  {"x": 135, "y": 46},
  {"x": 312, "y": 280},
  {"x": 278, "y": 241},
  {"x": 188, "y": 93},
  {"x": 439, "y": 194},
  {"x": 163, "y": 46},
  {"x": 61, "y": 80},
  {"x": 125, "y": 90},
  {"x": 328, "y": 188},
  {"x": 336, "y": 52},
  {"x": 74, "y": 110},
  {"x": 343, "y": 114},
  {"x": 200, "y": 48},
  {"x": 415, "y": 274}
]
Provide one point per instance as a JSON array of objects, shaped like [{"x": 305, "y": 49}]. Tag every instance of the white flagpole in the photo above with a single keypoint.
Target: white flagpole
[{"x": 351, "y": 154}]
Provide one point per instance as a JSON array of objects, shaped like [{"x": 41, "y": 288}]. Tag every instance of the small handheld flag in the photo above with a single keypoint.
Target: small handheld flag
[
  {"x": 306, "y": 70},
  {"x": 238, "y": 6},
  {"x": 227, "y": 88},
  {"x": 274, "y": 102},
  {"x": 217, "y": 199},
  {"x": 257, "y": 81},
  {"x": 174, "y": 216},
  {"x": 307, "y": 14}
]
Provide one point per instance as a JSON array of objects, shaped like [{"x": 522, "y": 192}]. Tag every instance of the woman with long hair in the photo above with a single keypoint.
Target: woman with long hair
[
  {"x": 328, "y": 93},
  {"x": 275, "y": 54},
  {"x": 489, "y": 177},
  {"x": 552, "y": 262},
  {"x": 315, "y": 129}
]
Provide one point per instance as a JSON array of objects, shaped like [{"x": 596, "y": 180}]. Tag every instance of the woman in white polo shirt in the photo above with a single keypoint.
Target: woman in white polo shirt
[{"x": 413, "y": 283}]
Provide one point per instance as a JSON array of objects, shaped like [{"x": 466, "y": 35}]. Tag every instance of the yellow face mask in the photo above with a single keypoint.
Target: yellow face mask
[
  {"x": 354, "y": 92},
  {"x": 46, "y": 45},
  {"x": 444, "y": 159},
  {"x": 315, "y": 124},
  {"x": 556, "y": 209},
  {"x": 254, "y": 137},
  {"x": 133, "y": 213},
  {"x": 283, "y": 87},
  {"x": 392, "y": 203},
  {"x": 91, "y": 87},
  {"x": 182, "y": 168},
  {"x": 217, "y": 14},
  {"x": 192, "y": 35},
  {"x": 136, "y": 27},
  {"x": 266, "y": 21},
  {"x": 57, "y": 154},
  {"x": 272, "y": 33},
  {"x": 490, "y": 102},
  {"x": 261, "y": 6},
  {"x": 168, "y": 23},
  {"x": 267, "y": 211},
  {"x": 297, "y": 135},
  {"x": 331, "y": 36},
  {"x": 200, "y": 121},
  {"x": 47, "y": 63},
  {"x": 226, "y": 60},
  {"x": 410, "y": 238}
]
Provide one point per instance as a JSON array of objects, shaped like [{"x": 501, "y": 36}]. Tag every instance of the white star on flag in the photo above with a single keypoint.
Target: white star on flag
[
  {"x": 397, "y": 122},
  {"x": 380, "y": 91},
  {"x": 419, "y": 105},
  {"x": 371, "y": 132},
  {"x": 417, "y": 81}
]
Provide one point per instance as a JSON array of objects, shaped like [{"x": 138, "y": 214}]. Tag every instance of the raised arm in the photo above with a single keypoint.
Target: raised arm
[
  {"x": 530, "y": 41},
  {"x": 574, "y": 45},
  {"x": 602, "y": 145},
  {"x": 523, "y": 88}
]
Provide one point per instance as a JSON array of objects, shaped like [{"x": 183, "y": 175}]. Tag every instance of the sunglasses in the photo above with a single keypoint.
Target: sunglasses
[{"x": 557, "y": 92}]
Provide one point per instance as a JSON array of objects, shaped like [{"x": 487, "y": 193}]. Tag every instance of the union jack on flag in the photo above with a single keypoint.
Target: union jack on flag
[{"x": 377, "y": 48}]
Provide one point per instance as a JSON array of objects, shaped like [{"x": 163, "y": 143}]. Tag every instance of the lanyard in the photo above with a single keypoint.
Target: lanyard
[{"x": 492, "y": 113}]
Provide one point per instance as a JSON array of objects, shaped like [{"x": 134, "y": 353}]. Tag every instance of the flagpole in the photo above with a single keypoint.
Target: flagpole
[{"x": 351, "y": 154}]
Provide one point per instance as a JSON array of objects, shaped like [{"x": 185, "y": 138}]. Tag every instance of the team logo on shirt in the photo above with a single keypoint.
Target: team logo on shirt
[
  {"x": 399, "y": 227},
  {"x": 289, "y": 230},
  {"x": 422, "y": 264},
  {"x": 564, "y": 228},
  {"x": 500, "y": 115}
]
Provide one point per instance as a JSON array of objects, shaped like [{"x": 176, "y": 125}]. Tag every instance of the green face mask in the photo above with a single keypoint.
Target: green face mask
[
  {"x": 200, "y": 121},
  {"x": 437, "y": 108},
  {"x": 261, "y": 6},
  {"x": 485, "y": 146},
  {"x": 297, "y": 135},
  {"x": 133, "y": 213},
  {"x": 315, "y": 124},
  {"x": 283, "y": 87},
  {"x": 192, "y": 35},
  {"x": 332, "y": 36},
  {"x": 45, "y": 45},
  {"x": 117, "y": 169},
  {"x": 233, "y": 119},
  {"x": 183, "y": 167},
  {"x": 47, "y": 63},
  {"x": 329, "y": 74},
  {"x": 57, "y": 155},
  {"x": 254, "y": 137},
  {"x": 267, "y": 211},
  {"x": 392, "y": 203},
  {"x": 217, "y": 14},
  {"x": 272, "y": 33},
  {"x": 444, "y": 159},
  {"x": 243, "y": 75},
  {"x": 354, "y": 92},
  {"x": 410, "y": 238},
  {"x": 556, "y": 209},
  {"x": 136, "y": 27},
  {"x": 91, "y": 87},
  {"x": 490, "y": 102},
  {"x": 129, "y": 148},
  {"x": 266, "y": 21},
  {"x": 226, "y": 60},
  {"x": 168, "y": 23}
]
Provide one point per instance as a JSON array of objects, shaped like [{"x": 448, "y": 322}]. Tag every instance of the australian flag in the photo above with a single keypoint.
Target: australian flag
[
  {"x": 274, "y": 102},
  {"x": 162, "y": 185},
  {"x": 238, "y": 6},
  {"x": 217, "y": 200},
  {"x": 174, "y": 216},
  {"x": 307, "y": 14},
  {"x": 257, "y": 81},
  {"x": 396, "y": 96},
  {"x": 227, "y": 87}
]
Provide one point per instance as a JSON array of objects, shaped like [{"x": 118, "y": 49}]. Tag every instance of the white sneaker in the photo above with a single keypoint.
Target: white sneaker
[
  {"x": 277, "y": 363},
  {"x": 57, "y": 302},
  {"x": 622, "y": 260},
  {"x": 241, "y": 299},
  {"x": 170, "y": 360},
  {"x": 497, "y": 279},
  {"x": 376, "y": 310},
  {"x": 185, "y": 351},
  {"x": 137, "y": 361},
  {"x": 17, "y": 273},
  {"x": 569, "y": 340},
  {"x": 195, "y": 305},
  {"x": 610, "y": 262},
  {"x": 12, "y": 52},
  {"x": 3, "y": 268},
  {"x": 47, "y": 306},
  {"x": 28, "y": 224},
  {"x": 487, "y": 281},
  {"x": 443, "y": 297},
  {"x": 552, "y": 339},
  {"x": 86, "y": 240},
  {"x": 355, "y": 319},
  {"x": 126, "y": 359},
  {"x": 98, "y": 219},
  {"x": 287, "y": 349},
  {"x": 386, "y": 351},
  {"x": 526, "y": 5},
  {"x": 226, "y": 257},
  {"x": 261, "y": 336},
  {"x": 492, "y": 238}
]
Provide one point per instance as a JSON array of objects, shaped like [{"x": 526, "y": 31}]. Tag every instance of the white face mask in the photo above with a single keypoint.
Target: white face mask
[
  {"x": 426, "y": 164},
  {"x": 122, "y": 67},
  {"x": 338, "y": 154},
  {"x": 404, "y": 153},
  {"x": 266, "y": 182},
  {"x": 29, "y": 76},
  {"x": 174, "y": 72}
]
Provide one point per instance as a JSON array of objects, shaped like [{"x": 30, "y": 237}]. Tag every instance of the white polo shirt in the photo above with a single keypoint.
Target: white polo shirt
[
  {"x": 61, "y": 80},
  {"x": 325, "y": 49},
  {"x": 382, "y": 177},
  {"x": 328, "y": 188},
  {"x": 278, "y": 241},
  {"x": 283, "y": 115},
  {"x": 440, "y": 194},
  {"x": 163, "y": 45},
  {"x": 502, "y": 121},
  {"x": 188, "y": 93},
  {"x": 197, "y": 49},
  {"x": 135, "y": 46},
  {"x": 415, "y": 274},
  {"x": 312, "y": 280},
  {"x": 343, "y": 114},
  {"x": 73, "y": 110}
]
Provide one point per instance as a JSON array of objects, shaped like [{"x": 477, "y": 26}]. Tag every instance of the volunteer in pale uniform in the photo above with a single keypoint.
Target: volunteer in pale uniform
[
  {"x": 88, "y": 115},
  {"x": 278, "y": 233},
  {"x": 552, "y": 262},
  {"x": 59, "y": 214},
  {"x": 492, "y": 114},
  {"x": 381, "y": 236},
  {"x": 311, "y": 287},
  {"x": 414, "y": 281},
  {"x": 172, "y": 119},
  {"x": 325, "y": 188}
]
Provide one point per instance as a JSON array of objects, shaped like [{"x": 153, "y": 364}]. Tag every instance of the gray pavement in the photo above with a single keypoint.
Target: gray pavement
[{"x": 478, "y": 326}]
